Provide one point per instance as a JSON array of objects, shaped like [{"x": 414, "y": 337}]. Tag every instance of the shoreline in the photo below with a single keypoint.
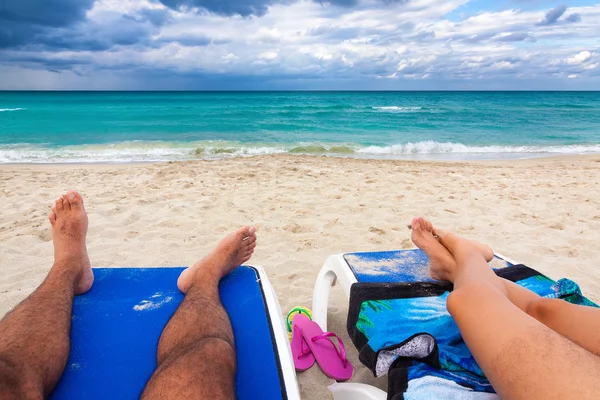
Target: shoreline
[
  {"x": 543, "y": 212},
  {"x": 541, "y": 159}
]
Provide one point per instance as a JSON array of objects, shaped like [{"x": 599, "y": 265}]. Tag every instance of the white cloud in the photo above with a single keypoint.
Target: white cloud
[
  {"x": 504, "y": 65},
  {"x": 416, "y": 40},
  {"x": 269, "y": 55},
  {"x": 579, "y": 58}
]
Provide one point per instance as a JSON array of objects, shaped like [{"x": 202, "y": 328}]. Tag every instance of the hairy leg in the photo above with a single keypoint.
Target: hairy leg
[
  {"x": 522, "y": 358},
  {"x": 196, "y": 353},
  {"x": 34, "y": 337},
  {"x": 577, "y": 323}
]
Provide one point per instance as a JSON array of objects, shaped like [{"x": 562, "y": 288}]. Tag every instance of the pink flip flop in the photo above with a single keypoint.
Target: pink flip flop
[
  {"x": 333, "y": 361},
  {"x": 303, "y": 357}
]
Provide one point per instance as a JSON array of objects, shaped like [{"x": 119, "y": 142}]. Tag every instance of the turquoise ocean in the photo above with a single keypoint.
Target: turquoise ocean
[{"x": 93, "y": 127}]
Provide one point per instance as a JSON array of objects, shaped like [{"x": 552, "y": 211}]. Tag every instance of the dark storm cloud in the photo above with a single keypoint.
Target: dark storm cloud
[
  {"x": 94, "y": 37},
  {"x": 35, "y": 61},
  {"x": 157, "y": 17},
  {"x": 553, "y": 15},
  {"x": 343, "y": 3},
  {"x": 352, "y": 3},
  {"x": 62, "y": 24},
  {"x": 23, "y": 20},
  {"x": 188, "y": 40},
  {"x": 574, "y": 18},
  {"x": 247, "y": 8},
  {"x": 44, "y": 12}
]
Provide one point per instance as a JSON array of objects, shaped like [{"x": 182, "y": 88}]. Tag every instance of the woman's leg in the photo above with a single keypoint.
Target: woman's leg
[
  {"x": 522, "y": 358},
  {"x": 577, "y": 323}
]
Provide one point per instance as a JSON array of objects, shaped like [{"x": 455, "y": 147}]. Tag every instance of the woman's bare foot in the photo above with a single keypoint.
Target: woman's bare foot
[
  {"x": 441, "y": 262},
  {"x": 484, "y": 249},
  {"x": 455, "y": 244},
  {"x": 69, "y": 228},
  {"x": 231, "y": 252}
]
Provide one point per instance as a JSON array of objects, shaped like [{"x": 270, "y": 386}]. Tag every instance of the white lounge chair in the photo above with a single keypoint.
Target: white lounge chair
[{"x": 350, "y": 268}]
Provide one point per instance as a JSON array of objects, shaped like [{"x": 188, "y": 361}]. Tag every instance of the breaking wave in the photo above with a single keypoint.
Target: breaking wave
[
  {"x": 432, "y": 147},
  {"x": 400, "y": 109},
  {"x": 155, "y": 151}
]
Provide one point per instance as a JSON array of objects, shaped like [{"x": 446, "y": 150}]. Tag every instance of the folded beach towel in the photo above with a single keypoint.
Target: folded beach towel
[{"x": 403, "y": 329}]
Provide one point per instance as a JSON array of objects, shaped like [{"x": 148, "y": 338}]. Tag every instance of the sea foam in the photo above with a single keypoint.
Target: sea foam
[
  {"x": 432, "y": 147},
  {"x": 398, "y": 108},
  {"x": 156, "y": 151}
]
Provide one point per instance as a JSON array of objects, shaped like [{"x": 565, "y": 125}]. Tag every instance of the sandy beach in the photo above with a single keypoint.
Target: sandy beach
[{"x": 542, "y": 212}]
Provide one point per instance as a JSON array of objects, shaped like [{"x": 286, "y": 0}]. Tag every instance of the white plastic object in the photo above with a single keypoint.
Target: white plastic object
[{"x": 356, "y": 391}]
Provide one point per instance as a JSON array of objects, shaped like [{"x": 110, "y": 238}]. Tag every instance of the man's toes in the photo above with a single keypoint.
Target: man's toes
[
  {"x": 66, "y": 204},
  {"x": 58, "y": 205},
  {"x": 74, "y": 199},
  {"x": 250, "y": 231},
  {"x": 251, "y": 239},
  {"x": 52, "y": 217},
  {"x": 243, "y": 232},
  {"x": 246, "y": 232}
]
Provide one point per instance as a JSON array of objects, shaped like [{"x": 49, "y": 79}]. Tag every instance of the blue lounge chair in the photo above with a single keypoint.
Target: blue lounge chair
[
  {"x": 399, "y": 323},
  {"x": 117, "y": 324}
]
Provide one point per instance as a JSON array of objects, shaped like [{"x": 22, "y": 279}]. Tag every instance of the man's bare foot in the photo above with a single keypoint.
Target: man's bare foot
[
  {"x": 69, "y": 228},
  {"x": 231, "y": 252},
  {"x": 441, "y": 262}
]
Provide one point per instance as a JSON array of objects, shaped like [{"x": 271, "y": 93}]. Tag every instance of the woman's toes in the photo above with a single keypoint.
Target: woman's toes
[
  {"x": 416, "y": 223},
  {"x": 428, "y": 226},
  {"x": 52, "y": 217}
]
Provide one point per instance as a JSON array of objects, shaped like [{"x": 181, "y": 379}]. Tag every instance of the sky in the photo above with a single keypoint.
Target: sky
[{"x": 299, "y": 45}]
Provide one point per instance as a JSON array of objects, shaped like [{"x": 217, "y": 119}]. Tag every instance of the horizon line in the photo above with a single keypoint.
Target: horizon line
[{"x": 297, "y": 90}]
